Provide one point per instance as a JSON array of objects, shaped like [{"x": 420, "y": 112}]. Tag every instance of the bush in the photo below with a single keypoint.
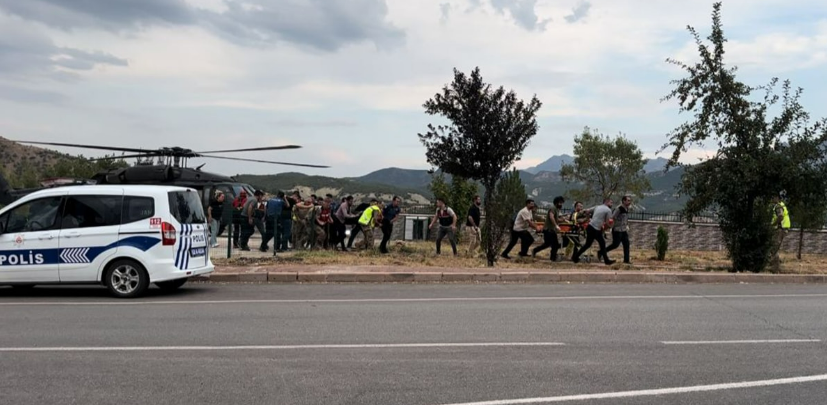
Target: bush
[{"x": 662, "y": 244}]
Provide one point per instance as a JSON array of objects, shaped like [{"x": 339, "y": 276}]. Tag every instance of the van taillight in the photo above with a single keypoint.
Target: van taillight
[{"x": 168, "y": 234}]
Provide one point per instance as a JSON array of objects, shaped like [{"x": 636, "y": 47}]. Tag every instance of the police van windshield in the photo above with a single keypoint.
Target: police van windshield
[{"x": 185, "y": 207}]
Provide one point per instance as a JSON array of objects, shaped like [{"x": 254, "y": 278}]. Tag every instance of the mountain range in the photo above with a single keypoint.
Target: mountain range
[
  {"x": 412, "y": 185},
  {"x": 555, "y": 163},
  {"x": 543, "y": 181}
]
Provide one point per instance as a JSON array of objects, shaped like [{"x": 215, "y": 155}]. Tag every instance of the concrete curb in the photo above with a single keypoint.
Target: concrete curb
[{"x": 515, "y": 277}]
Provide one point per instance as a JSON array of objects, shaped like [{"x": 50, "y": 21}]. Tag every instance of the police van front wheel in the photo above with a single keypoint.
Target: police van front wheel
[{"x": 126, "y": 279}]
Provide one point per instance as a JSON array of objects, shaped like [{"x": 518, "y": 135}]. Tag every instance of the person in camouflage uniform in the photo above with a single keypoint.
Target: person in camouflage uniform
[{"x": 301, "y": 223}]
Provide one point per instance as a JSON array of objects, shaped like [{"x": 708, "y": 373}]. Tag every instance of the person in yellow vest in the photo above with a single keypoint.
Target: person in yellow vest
[
  {"x": 370, "y": 217},
  {"x": 781, "y": 224}
]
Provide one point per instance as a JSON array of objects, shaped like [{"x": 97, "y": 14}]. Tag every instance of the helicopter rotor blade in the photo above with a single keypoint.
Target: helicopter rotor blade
[
  {"x": 264, "y": 161},
  {"x": 73, "y": 145},
  {"x": 254, "y": 149},
  {"x": 140, "y": 155}
]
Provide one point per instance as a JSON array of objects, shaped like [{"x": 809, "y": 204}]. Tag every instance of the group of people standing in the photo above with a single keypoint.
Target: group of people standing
[{"x": 292, "y": 222}]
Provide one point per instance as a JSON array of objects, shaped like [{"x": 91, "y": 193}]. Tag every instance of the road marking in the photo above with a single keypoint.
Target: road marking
[
  {"x": 724, "y": 342},
  {"x": 392, "y": 300},
  {"x": 654, "y": 392},
  {"x": 274, "y": 347}
]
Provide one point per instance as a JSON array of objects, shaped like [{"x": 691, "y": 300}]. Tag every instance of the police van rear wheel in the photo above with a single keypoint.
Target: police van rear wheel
[
  {"x": 126, "y": 279},
  {"x": 171, "y": 285}
]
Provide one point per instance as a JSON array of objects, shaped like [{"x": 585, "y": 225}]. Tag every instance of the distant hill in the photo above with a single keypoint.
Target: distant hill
[
  {"x": 410, "y": 179},
  {"x": 412, "y": 186},
  {"x": 18, "y": 161},
  {"x": 655, "y": 165},
  {"x": 555, "y": 163},
  {"x": 321, "y": 185}
]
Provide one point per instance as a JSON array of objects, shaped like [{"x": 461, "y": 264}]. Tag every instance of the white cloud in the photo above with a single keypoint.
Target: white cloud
[
  {"x": 780, "y": 51},
  {"x": 186, "y": 83}
]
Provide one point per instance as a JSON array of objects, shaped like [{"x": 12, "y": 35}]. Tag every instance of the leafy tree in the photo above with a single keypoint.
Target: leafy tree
[
  {"x": 458, "y": 194},
  {"x": 510, "y": 195},
  {"x": 80, "y": 167},
  {"x": 807, "y": 164},
  {"x": 749, "y": 167},
  {"x": 28, "y": 178},
  {"x": 488, "y": 131},
  {"x": 605, "y": 167}
]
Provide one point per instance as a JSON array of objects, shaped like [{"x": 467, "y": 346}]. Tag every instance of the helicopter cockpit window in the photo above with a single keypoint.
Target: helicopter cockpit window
[{"x": 185, "y": 206}]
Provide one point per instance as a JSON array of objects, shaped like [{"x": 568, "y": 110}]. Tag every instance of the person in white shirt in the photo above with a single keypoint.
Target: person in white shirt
[
  {"x": 594, "y": 232},
  {"x": 523, "y": 222}
]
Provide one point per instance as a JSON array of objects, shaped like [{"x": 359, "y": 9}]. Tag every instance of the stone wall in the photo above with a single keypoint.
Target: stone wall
[
  {"x": 701, "y": 237},
  {"x": 705, "y": 237}
]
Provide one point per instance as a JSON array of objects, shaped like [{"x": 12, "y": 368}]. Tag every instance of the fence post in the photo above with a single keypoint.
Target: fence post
[
  {"x": 276, "y": 239},
  {"x": 230, "y": 240}
]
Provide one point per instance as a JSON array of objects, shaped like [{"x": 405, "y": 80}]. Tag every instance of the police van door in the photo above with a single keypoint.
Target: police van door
[
  {"x": 89, "y": 234},
  {"x": 28, "y": 242}
]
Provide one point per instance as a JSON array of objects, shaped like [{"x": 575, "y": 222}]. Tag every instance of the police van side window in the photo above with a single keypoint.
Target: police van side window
[
  {"x": 185, "y": 206},
  {"x": 87, "y": 211},
  {"x": 137, "y": 209},
  {"x": 33, "y": 216}
]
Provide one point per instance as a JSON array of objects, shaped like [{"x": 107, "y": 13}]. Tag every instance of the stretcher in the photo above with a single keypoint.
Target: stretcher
[{"x": 575, "y": 234}]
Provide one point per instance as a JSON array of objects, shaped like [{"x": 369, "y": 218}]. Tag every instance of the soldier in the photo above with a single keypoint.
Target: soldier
[{"x": 302, "y": 222}]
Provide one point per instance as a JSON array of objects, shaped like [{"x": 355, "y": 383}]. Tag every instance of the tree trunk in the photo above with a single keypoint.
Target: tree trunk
[
  {"x": 490, "y": 245},
  {"x": 800, "y": 242}
]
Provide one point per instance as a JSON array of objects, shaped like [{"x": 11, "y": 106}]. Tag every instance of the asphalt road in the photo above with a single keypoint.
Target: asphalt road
[{"x": 417, "y": 344}]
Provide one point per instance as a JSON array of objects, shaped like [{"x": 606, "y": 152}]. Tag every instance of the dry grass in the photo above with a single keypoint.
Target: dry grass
[{"x": 423, "y": 254}]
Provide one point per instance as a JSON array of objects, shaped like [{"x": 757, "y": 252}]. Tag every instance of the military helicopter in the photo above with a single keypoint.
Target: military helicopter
[{"x": 164, "y": 166}]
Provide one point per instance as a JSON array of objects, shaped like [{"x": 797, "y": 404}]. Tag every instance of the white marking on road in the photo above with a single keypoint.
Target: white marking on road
[
  {"x": 726, "y": 342},
  {"x": 276, "y": 347},
  {"x": 654, "y": 392},
  {"x": 392, "y": 300}
]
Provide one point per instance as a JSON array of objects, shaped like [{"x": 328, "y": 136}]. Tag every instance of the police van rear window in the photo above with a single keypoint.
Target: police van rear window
[{"x": 185, "y": 206}]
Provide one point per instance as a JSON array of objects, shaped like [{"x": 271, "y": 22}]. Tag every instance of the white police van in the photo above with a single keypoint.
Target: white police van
[{"x": 124, "y": 237}]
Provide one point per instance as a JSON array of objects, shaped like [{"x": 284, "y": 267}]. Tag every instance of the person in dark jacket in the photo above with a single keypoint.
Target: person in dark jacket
[{"x": 389, "y": 216}]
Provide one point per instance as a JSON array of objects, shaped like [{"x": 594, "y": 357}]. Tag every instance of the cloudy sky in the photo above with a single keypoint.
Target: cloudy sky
[{"x": 347, "y": 78}]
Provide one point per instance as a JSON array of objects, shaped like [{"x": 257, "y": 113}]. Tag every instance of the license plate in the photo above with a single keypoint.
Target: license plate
[{"x": 199, "y": 251}]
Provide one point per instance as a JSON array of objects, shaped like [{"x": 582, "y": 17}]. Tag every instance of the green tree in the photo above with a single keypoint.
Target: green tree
[
  {"x": 458, "y": 194},
  {"x": 29, "y": 178},
  {"x": 510, "y": 195},
  {"x": 749, "y": 166},
  {"x": 83, "y": 168},
  {"x": 488, "y": 131},
  {"x": 807, "y": 195},
  {"x": 605, "y": 167}
]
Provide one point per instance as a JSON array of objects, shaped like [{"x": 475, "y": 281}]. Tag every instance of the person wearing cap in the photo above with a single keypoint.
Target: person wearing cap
[{"x": 214, "y": 212}]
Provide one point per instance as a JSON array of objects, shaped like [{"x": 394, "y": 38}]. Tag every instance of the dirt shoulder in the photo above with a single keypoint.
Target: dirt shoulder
[{"x": 421, "y": 257}]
